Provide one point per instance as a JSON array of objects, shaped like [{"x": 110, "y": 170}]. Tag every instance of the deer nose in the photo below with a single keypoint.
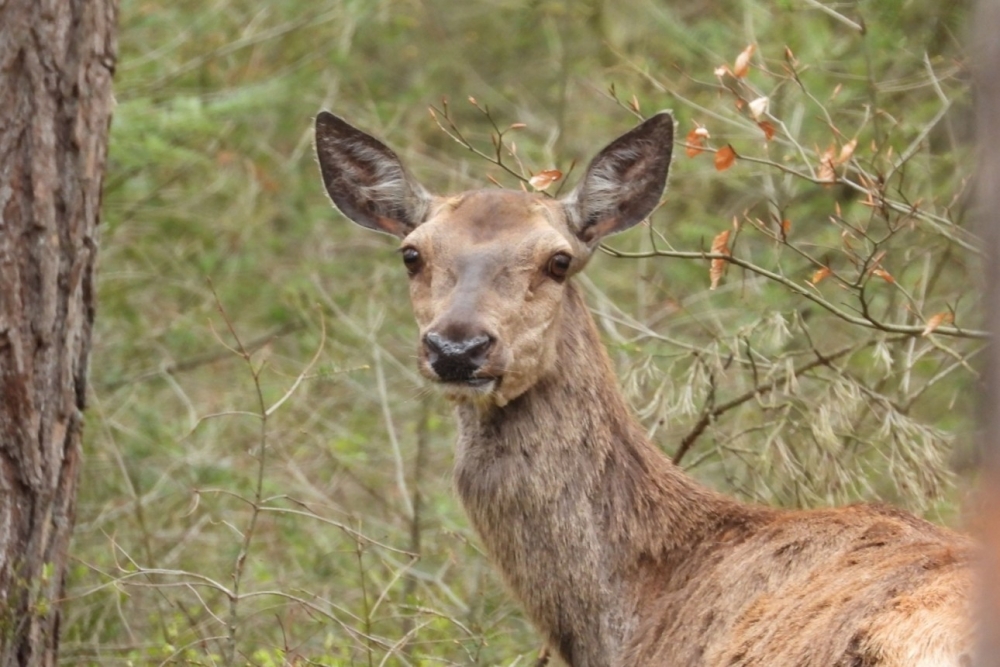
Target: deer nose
[{"x": 456, "y": 360}]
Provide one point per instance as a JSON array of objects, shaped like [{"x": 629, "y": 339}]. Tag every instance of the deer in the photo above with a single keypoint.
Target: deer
[{"x": 617, "y": 556}]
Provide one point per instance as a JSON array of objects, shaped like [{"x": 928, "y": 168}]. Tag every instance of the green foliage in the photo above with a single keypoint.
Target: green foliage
[{"x": 215, "y": 224}]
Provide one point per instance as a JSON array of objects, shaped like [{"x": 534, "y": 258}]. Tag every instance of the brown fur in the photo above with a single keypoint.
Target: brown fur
[{"x": 618, "y": 557}]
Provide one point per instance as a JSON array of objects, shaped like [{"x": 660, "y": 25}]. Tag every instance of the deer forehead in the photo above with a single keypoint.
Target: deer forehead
[{"x": 509, "y": 229}]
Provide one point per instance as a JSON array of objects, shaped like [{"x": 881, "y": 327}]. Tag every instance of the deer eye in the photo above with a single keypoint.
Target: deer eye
[
  {"x": 411, "y": 258},
  {"x": 559, "y": 265}
]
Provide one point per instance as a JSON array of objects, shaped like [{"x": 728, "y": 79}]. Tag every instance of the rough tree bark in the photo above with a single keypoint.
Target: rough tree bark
[{"x": 56, "y": 62}]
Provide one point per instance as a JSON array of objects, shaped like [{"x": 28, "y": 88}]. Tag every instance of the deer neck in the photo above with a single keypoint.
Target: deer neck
[{"x": 571, "y": 499}]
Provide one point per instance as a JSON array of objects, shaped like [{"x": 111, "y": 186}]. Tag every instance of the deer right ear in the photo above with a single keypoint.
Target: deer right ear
[
  {"x": 366, "y": 180},
  {"x": 624, "y": 183}
]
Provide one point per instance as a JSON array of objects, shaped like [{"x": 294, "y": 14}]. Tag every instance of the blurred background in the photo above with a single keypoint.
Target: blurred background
[{"x": 258, "y": 431}]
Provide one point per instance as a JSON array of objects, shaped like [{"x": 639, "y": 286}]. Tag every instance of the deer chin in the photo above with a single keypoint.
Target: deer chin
[
  {"x": 492, "y": 389},
  {"x": 479, "y": 391}
]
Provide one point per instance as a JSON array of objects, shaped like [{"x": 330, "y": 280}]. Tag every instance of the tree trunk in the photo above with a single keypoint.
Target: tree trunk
[{"x": 56, "y": 63}]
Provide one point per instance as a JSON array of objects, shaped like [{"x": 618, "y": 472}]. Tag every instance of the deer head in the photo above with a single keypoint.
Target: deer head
[{"x": 489, "y": 269}]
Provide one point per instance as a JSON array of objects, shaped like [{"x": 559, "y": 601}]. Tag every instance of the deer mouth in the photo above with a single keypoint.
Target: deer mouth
[
  {"x": 478, "y": 384},
  {"x": 457, "y": 376},
  {"x": 469, "y": 388},
  {"x": 475, "y": 382}
]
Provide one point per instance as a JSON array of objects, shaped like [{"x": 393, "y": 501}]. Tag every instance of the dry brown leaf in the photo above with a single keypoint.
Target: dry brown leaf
[
  {"x": 847, "y": 151},
  {"x": 720, "y": 243},
  {"x": 545, "y": 178},
  {"x": 695, "y": 141},
  {"x": 819, "y": 275},
  {"x": 517, "y": 126},
  {"x": 846, "y": 237},
  {"x": 742, "y": 65},
  {"x": 827, "y": 166},
  {"x": 634, "y": 103},
  {"x": 768, "y": 129},
  {"x": 724, "y": 158},
  {"x": 934, "y": 321},
  {"x": 719, "y": 247},
  {"x": 715, "y": 272},
  {"x": 786, "y": 226},
  {"x": 884, "y": 275},
  {"x": 869, "y": 189}
]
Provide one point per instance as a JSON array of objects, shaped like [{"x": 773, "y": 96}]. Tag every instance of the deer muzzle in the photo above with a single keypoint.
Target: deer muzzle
[{"x": 458, "y": 360}]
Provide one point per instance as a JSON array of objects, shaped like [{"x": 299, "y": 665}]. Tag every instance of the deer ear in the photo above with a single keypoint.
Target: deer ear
[
  {"x": 366, "y": 180},
  {"x": 624, "y": 183}
]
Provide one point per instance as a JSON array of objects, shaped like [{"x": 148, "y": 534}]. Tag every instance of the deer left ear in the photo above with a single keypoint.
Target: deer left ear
[
  {"x": 624, "y": 183},
  {"x": 366, "y": 180}
]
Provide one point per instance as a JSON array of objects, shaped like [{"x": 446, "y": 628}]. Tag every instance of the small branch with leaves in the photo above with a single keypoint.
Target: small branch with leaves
[{"x": 539, "y": 180}]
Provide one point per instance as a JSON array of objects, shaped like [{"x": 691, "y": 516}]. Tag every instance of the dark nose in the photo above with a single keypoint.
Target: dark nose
[{"x": 456, "y": 360}]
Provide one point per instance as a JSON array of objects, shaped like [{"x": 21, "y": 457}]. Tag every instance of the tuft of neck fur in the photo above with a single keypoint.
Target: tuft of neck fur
[{"x": 573, "y": 502}]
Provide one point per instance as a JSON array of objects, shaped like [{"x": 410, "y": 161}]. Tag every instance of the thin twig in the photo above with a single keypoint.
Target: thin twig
[
  {"x": 871, "y": 323},
  {"x": 198, "y": 360},
  {"x": 390, "y": 428},
  {"x": 835, "y": 14},
  {"x": 712, "y": 413}
]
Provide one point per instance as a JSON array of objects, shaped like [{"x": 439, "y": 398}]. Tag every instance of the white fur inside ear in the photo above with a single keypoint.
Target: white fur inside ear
[
  {"x": 603, "y": 186},
  {"x": 381, "y": 180},
  {"x": 624, "y": 182}
]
